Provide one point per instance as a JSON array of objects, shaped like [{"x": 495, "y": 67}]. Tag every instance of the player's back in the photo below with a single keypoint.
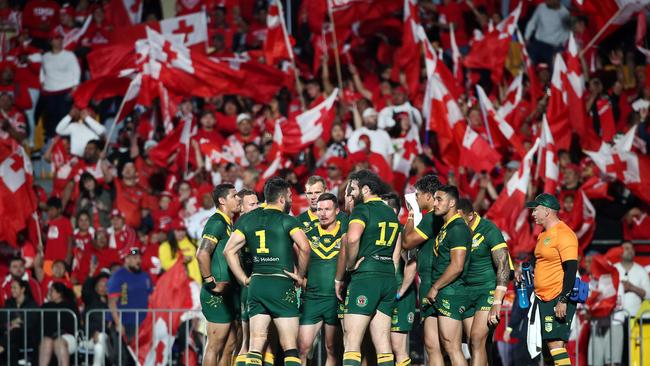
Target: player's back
[
  {"x": 268, "y": 239},
  {"x": 381, "y": 228}
]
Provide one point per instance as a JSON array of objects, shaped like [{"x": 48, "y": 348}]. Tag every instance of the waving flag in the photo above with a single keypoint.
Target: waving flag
[
  {"x": 602, "y": 300},
  {"x": 512, "y": 99},
  {"x": 407, "y": 59},
  {"x": 408, "y": 148},
  {"x": 547, "y": 160},
  {"x": 557, "y": 111},
  {"x": 535, "y": 88},
  {"x": 191, "y": 30},
  {"x": 347, "y": 12},
  {"x": 476, "y": 153},
  {"x": 609, "y": 15},
  {"x": 125, "y": 12},
  {"x": 502, "y": 133},
  {"x": 277, "y": 45}
]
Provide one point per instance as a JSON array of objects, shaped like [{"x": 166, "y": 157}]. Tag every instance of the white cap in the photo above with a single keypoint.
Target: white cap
[
  {"x": 149, "y": 144},
  {"x": 369, "y": 112},
  {"x": 243, "y": 117}
]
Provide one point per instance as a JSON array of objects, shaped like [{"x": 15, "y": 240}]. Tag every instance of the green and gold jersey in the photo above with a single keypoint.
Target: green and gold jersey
[
  {"x": 325, "y": 247},
  {"x": 268, "y": 239},
  {"x": 454, "y": 235},
  {"x": 486, "y": 238},
  {"x": 309, "y": 219},
  {"x": 377, "y": 243},
  {"x": 428, "y": 229},
  {"x": 245, "y": 256},
  {"x": 217, "y": 230}
]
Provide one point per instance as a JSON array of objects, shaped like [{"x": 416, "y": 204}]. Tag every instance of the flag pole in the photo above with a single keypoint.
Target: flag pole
[
  {"x": 601, "y": 31},
  {"x": 285, "y": 35},
  {"x": 38, "y": 231},
  {"x": 336, "y": 49}
]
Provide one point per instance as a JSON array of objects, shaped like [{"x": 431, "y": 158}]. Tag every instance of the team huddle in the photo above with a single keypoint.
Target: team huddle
[{"x": 275, "y": 278}]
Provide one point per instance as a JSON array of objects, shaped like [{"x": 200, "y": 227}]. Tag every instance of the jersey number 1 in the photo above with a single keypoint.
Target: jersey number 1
[
  {"x": 382, "y": 235},
  {"x": 262, "y": 249}
]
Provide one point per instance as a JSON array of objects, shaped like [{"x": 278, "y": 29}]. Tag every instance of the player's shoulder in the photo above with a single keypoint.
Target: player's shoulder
[
  {"x": 564, "y": 232},
  {"x": 458, "y": 226}
]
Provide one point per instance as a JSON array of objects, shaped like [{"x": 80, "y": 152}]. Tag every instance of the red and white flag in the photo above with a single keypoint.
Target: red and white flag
[
  {"x": 408, "y": 148},
  {"x": 130, "y": 98},
  {"x": 434, "y": 65},
  {"x": 100, "y": 88},
  {"x": 547, "y": 160},
  {"x": 456, "y": 56},
  {"x": 407, "y": 59},
  {"x": 557, "y": 111},
  {"x": 609, "y": 14},
  {"x": 298, "y": 133},
  {"x": 125, "y": 12},
  {"x": 507, "y": 212},
  {"x": 477, "y": 153},
  {"x": 277, "y": 45},
  {"x": 512, "y": 99},
  {"x": 191, "y": 30},
  {"x": 503, "y": 135},
  {"x": 587, "y": 226},
  {"x": 491, "y": 51},
  {"x": 348, "y": 12},
  {"x": 535, "y": 88},
  {"x": 602, "y": 299},
  {"x": 174, "y": 291},
  {"x": 620, "y": 162},
  {"x": 17, "y": 197}
]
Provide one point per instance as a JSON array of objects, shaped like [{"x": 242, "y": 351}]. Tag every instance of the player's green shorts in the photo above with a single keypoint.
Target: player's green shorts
[
  {"x": 340, "y": 312},
  {"x": 478, "y": 300},
  {"x": 243, "y": 301},
  {"x": 404, "y": 312},
  {"x": 370, "y": 292},
  {"x": 220, "y": 308},
  {"x": 272, "y": 295},
  {"x": 451, "y": 306},
  {"x": 426, "y": 309},
  {"x": 315, "y": 308},
  {"x": 552, "y": 328}
]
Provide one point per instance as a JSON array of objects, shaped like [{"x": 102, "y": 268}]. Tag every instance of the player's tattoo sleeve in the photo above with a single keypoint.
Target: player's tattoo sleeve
[
  {"x": 207, "y": 245},
  {"x": 500, "y": 259}
]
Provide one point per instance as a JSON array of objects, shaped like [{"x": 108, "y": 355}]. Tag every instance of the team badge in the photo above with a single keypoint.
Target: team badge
[
  {"x": 445, "y": 304},
  {"x": 548, "y": 327},
  {"x": 362, "y": 301},
  {"x": 547, "y": 241},
  {"x": 461, "y": 309},
  {"x": 411, "y": 317},
  {"x": 490, "y": 300}
]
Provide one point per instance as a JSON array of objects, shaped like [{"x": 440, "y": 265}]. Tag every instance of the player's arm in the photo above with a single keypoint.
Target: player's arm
[
  {"x": 355, "y": 230},
  {"x": 302, "y": 243},
  {"x": 204, "y": 256},
  {"x": 502, "y": 265},
  {"x": 231, "y": 252},
  {"x": 412, "y": 237},
  {"x": 340, "y": 268}
]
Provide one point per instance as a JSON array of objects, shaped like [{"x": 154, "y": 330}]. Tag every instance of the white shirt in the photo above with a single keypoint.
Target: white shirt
[
  {"x": 380, "y": 142},
  {"x": 60, "y": 71},
  {"x": 80, "y": 132},
  {"x": 629, "y": 301},
  {"x": 196, "y": 222},
  {"x": 549, "y": 25},
  {"x": 385, "y": 118}
]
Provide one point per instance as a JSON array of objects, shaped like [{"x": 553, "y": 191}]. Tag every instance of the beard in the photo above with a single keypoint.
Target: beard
[
  {"x": 357, "y": 200},
  {"x": 135, "y": 268},
  {"x": 287, "y": 206}
]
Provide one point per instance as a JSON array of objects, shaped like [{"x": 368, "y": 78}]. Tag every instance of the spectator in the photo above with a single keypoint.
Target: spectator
[
  {"x": 12, "y": 120},
  {"x": 634, "y": 288},
  {"x": 550, "y": 27},
  {"x": 18, "y": 323},
  {"x": 121, "y": 236},
  {"x": 59, "y": 275},
  {"x": 250, "y": 177},
  {"x": 400, "y": 105},
  {"x": 82, "y": 237},
  {"x": 337, "y": 171},
  {"x": 81, "y": 127},
  {"x": 379, "y": 139},
  {"x": 95, "y": 297},
  {"x": 253, "y": 154},
  {"x": 59, "y": 336},
  {"x": 17, "y": 273},
  {"x": 60, "y": 74},
  {"x": 58, "y": 242},
  {"x": 196, "y": 221},
  {"x": 166, "y": 211},
  {"x": 129, "y": 288},
  {"x": 636, "y": 225},
  {"x": 96, "y": 257},
  {"x": 94, "y": 201},
  {"x": 129, "y": 196},
  {"x": 178, "y": 246},
  {"x": 39, "y": 18}
]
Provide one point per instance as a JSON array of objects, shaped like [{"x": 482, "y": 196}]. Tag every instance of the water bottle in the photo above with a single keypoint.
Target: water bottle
[
  {"x": 527, "y": 274},
  {"x": 522, "y": 294}
]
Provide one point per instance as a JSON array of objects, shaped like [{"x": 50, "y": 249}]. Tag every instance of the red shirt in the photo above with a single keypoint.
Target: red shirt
[
  {"x": 16, "y": 119},
  {"x": 34, "y": 286},
  {"x": 164, "y": 217},
  {"x": 128, "y": 199},
  {"x": 27, "y": 60},
  {"x": 122, "y": 239},
  {"x": 37, "y": 12},
  {"x": 453, "y": 13},
  {"x": 203, "y": 137},
  {"x": 59, "y": 232},
  {"x": 105, "y": 257},
  {"x": 638, "y": 229}
]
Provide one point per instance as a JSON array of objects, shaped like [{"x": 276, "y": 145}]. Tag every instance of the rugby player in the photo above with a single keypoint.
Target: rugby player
[
  {"x": 270, "y": 234},
  {"x": 314, "y": 187}
]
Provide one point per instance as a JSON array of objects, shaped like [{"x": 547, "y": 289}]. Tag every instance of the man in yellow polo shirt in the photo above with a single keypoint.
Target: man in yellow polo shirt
[{"x": 556, "y": 256}]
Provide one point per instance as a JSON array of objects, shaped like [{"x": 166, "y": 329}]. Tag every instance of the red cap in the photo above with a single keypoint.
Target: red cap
[
  {"x": 338, "y": 162},
  {"x": 130, "y": 251},
  {"x": 178, "y": 224},
  {"x": 117, "y": 212}
]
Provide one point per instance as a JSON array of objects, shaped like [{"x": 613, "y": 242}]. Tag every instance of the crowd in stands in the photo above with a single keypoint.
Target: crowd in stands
[{"x": 106, "y": 209}]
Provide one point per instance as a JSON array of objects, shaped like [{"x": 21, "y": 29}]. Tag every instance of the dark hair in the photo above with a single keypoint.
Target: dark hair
[
  {"x": 246, "y": 192},
  {"x": 259, "y": 149},
  {"x": 82, "y": 212},
  {"x": 83, "y": 192},
  {"x": 97, "y": 143},
  {"x": 54, "y": 202},
  {"x": 329, "y": 197},
  {"x": 392, "y": 200},
  {"x": 25, "y": 286},
  {"x": 221, "y": 191},
  {"x": 20, "y": 259},
  {"x": 428, "y": 184},
  {"x": 451, "y": 191},
  {"x": 275, "y": 188},
  {"x": 464, "y": 205},
  {"x": 66, "y": 293},
  {"x": 369, "y": 179}
]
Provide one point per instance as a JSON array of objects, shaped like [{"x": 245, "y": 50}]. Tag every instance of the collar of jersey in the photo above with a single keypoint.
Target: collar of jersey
[
  {"x": 372, "y": 199},
  {"x": 311, "y": 216},
  {"x": 456, "y": 216},
  {"x": 333, "y": 232},
  {"x": 272, "y": 208},
  {"x": 475, "y": 224},
  {"x": 226, "y": 217}
]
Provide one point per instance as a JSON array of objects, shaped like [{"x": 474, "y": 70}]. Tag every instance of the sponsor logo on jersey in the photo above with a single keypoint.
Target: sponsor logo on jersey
[{"x": 547, "y": 241}]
